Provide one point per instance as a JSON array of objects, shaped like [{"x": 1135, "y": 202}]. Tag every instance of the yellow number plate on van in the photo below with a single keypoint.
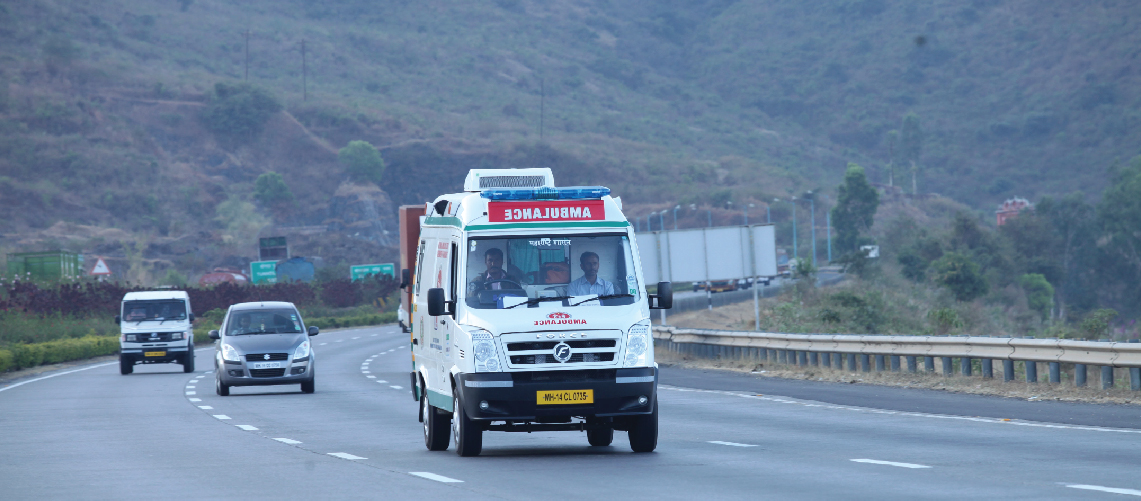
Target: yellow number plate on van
[
  {"x": 564, "y": 397},
  {"x": 154, "y": 354}
]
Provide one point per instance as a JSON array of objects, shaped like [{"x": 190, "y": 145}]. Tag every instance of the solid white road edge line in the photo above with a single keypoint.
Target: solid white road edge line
[
  {"x": 22, "y": 383},
  {"x": 1113, "y": 490},
  {"x": 433, "y": 476},
  {"x": 345, "y": 455},
  {"x": 889, "y": 463},
  {"x": 809, "y": 403},
  {"x": 287, "y": 441},
  {"x": 246, "y": 427},
  {"x": 734, "y": 444}
]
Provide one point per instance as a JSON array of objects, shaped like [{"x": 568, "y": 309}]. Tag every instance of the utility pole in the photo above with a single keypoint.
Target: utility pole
[
  {"x": 304, "y": 74},
  {"x": 829, "y": 217},
  {"x": 675, "y": 215},
  {"x": 795, "y": 255},
  {"x": 542, "y": 105},
  {"x": 247, "y": 77},
  {"x": 812, "y": 201}
]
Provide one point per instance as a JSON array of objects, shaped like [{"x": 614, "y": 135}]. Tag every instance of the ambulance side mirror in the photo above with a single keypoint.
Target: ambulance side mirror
[
  {"x": 118, "y": 320},
  {"x": 664, "y": 299},
  {"x": 405, "y": 277},
  {"x": 437, "y": 306}
]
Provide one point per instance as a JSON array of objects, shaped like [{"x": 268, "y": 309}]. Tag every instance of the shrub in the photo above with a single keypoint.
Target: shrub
[
  {"x": 1039, "y": 293},
  {"x": 1096, "y": 324},
  {"x": 270, "y": 190},
  {"x": 961, "y": 275},
  {"x": 5, "y": 360},
  {"x": 238, "y": 112},
  {"x": 362, "y": 161}
]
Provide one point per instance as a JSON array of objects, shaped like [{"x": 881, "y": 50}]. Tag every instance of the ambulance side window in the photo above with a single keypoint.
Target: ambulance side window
[
  {"x": 453, "y": 293},
  {"x": 419, "y": 266}
]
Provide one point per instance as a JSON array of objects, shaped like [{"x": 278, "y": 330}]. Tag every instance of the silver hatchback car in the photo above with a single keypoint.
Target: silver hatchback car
[{"x": 263, "y": 343}]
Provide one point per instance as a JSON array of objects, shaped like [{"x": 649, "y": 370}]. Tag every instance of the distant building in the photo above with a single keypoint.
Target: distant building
[{"x": 1011, "y": 208}]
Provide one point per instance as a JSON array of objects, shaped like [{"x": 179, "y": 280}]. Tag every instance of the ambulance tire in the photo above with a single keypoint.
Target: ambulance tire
[
  {"x": 468, "y": 435},
  {"x": 126, "y": 364},
  {"x": 600, "y": 437},
  {"x": 437, "y": 429},
  {"x": 644, "y": 432},
  {"x": 188, "y": 360}
]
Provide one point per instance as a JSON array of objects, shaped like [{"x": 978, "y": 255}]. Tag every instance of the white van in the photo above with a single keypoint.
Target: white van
[
  {"x": 155, "y": 328},
  {"x": 529, "y": 314}
]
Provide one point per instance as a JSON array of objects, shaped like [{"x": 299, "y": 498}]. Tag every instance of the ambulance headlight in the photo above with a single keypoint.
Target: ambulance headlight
[
  {"x": 638, "y": 353},
  {"x": 483, "y": 349}
]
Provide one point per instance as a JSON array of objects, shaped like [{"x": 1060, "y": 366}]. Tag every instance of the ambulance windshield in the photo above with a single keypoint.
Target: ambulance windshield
[{"x": 504, "y": 272}]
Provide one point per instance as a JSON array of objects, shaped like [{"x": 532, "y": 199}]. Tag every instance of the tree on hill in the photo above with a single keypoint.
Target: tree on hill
[
  {"x": 911, "y": 146},
  {"x": 362, "y": 161},
  {"x": 237, "y": 113},
  {"x": 855, "y": 208},
  {"x": 1119, "y": 214},
  {"x": 271, "y": 191},
  {"x": 961, "y": 275},
  {"x": 1039, "y": 293}
]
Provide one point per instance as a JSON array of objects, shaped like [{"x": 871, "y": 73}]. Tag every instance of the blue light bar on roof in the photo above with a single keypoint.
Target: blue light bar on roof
[{"x": 545, "y": 193}]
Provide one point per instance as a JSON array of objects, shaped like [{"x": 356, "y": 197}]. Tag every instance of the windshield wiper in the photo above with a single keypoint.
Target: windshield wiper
[
  {"x": 537, "y": 300},
  {"x": 606, "y": 296}
]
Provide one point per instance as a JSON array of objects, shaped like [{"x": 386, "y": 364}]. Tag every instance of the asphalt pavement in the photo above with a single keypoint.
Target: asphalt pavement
[{"x": 88, "y": 432}]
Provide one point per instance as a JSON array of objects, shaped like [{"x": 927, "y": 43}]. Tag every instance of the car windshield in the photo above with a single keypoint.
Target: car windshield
[
  {"x": 162, "y": 310},
  {"x": 575, "y": 268},
  {"x": 269, "y": 321}
]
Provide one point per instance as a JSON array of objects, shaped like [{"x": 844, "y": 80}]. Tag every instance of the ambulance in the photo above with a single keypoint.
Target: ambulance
[{"x": 528, "y": 313}]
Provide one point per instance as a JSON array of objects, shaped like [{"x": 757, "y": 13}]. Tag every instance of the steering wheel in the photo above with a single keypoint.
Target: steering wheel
[{"x": 487, "y": 284}]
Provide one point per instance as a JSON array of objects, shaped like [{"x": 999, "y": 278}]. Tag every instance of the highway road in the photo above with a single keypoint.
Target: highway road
[{"x": 87, "y": 432}]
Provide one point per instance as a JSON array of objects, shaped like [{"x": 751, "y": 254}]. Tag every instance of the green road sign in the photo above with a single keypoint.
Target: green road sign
[
  {"x": 263, "y": 272},
  {"x": 360, "y": 271}
]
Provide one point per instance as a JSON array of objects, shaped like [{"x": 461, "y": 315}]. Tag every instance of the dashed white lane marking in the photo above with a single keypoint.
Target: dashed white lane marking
[
  {"x": 890, "y": 463},
  {"x": 433, "y": 476},
  {"x": 191, "y": 393},
  {"x": 1113, "y": 490},
  {"x": 22, "y": 383},
  {"x": 371, "y": 377},
  {"x": 366, "y": 372},
  {"x": 733, "y": 444},
  {"x": 374, "y": 335},
  {"x": 221, "y": 416},
  {"x": 396, "y": 387},
  {"x": 287, "y": 441},
  {"x": 345, "y": 455},
  {"x": 205, "y": 407},
  {"x": 869, "y": 410},
  {"x": 322, "y": 344},
  {"x": 381, "y": 381},
  {"x": 339, "y": 341},
  {"x": 400, "y": 347},
  {"x": 358, "y": 337},
  {"x": 195, "y": 399},
  {"x": 246, "y": 427}
]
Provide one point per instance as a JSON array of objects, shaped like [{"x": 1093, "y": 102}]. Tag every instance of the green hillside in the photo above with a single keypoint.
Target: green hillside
[{"x": 105, "y": 112}]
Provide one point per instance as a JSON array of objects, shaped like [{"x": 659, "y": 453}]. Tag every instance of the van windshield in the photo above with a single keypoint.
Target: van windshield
[
  {"x": 162, "y": 310},
  {"x": 269, "y": 321},
  {"x": 500, "y": 270}
]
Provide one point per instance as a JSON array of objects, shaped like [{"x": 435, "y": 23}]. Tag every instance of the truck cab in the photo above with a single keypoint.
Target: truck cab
[
  {"x": 529, "y": 313},
  {"x": 155, "y": 328}
]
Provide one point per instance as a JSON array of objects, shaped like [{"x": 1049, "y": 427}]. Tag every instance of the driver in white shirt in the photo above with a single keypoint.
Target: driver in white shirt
[{"x": 590, "y": 283}]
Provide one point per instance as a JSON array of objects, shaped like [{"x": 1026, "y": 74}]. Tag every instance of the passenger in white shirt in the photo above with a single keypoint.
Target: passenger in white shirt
[{"x": 590, "y": 283}]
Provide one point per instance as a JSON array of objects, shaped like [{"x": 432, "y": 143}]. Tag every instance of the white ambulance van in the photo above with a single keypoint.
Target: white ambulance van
[
  {"x": 155, "y": 329},
  {"x": 529, "y": 314}
]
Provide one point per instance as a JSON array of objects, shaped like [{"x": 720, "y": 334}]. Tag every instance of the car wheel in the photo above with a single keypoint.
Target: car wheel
[
  {"x": 126, "y": 365},
  {"x": 644, "y": 432},
  {"x": 309, "y": 386},
  {"x": 468, "y": 435},
  {"x": 436, "y": 427},
  {"x": 222, "y": 389},
  {"x": 188, "y": 362},
  {"x": 600, "y": 437}
]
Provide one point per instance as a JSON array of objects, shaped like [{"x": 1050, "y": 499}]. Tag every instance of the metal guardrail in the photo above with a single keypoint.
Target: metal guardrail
[{"x": 832, "y": 349}]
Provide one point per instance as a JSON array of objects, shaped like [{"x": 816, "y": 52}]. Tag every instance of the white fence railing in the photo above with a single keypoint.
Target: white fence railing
[{"x": 829, "y": 350}]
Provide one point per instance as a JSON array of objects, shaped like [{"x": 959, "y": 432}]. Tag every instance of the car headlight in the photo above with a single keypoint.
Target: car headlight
[
  {"x": 302, "y": 351},
  {"x": 230, "y": 353},
  {"x": 638, "y": 352},
  {"x": 483, "y": 348},
  {"x": 131, "y": 338}
]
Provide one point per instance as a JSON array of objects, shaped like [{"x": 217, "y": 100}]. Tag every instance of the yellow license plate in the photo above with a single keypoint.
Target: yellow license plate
[
  {"x": 154, "y": 354},
  {"x": 564, "y": 397}
]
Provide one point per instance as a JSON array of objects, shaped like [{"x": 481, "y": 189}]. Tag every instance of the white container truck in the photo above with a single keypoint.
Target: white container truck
[{"x": 529, "y": 313}]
